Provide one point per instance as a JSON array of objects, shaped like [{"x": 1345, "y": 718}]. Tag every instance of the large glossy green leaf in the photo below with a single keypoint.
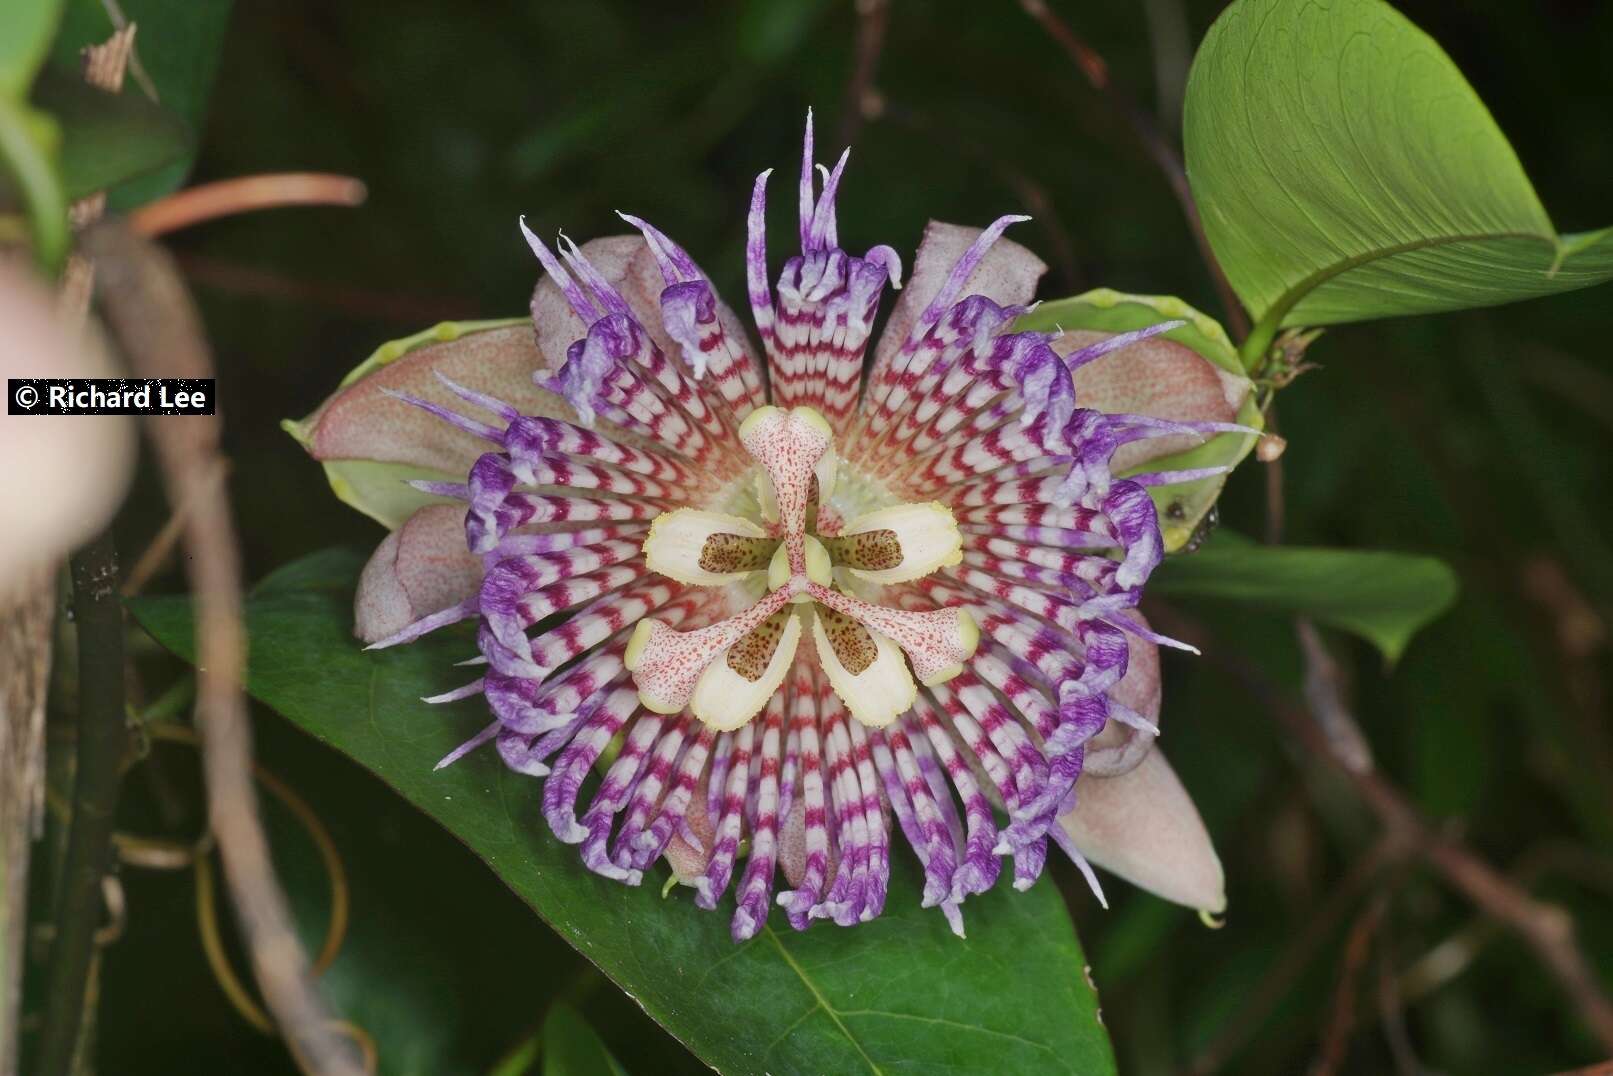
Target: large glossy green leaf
[
  {"x": 1383, "y": 597},
  {"x": 26, "y": 29},
  {"x": 899, "y": 994},
  {"x": 108, "y": 138},
  {"x": 1346, "y": 170},
  {"x": 178, "y": 45}
]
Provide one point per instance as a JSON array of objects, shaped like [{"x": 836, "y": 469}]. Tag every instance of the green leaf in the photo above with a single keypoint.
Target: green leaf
[
  {"x": 26, "y": 29},
  {"x": 1385, "y": 598},
  {"x": 28, "y": 142},
  {"x": 1183, "y": 506},
  {"x": 897, "y": 994},
  {"x": 572, "y": 1048},
  {"x": 178, "y": 45},
  {"x": 1346, "y": 170},
  {"x": 108, "y": 138}
]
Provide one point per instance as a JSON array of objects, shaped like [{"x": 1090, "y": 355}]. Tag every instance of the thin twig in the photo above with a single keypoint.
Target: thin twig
[
  {"x": 228, "y": 197},
  {"x": 1392, "y": 1013},
  {"x": 862, "y": 100},
  {"x": 1547, "y": 929},
  {"x": 160, "y": 547},
  {"x": 114, "y": 11},
  {"x": 155, "y": 321},
  {"x": 1324, "y": 695},
  {"x": 1451, "y": 956},
  {"x": 1159, "y": 148},
  {"x": 1357, "y": 947},
  {"x": 1279, "y": 978},
  {"x": 1173, "y": 57},
  {"x": 102, "y": 736}
]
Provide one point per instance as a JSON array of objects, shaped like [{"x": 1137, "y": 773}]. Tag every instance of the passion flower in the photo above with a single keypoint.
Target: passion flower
[{"x": 761, "y": 602}]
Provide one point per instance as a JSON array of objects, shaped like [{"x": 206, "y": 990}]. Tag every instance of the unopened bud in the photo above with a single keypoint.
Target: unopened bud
[{"x": 1270, "y": 447}]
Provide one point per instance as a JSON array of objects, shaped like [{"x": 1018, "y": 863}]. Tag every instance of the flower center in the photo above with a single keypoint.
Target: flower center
[{"x": 797, "y": 564}]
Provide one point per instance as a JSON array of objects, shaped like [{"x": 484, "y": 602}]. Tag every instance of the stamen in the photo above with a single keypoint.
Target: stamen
[
  {"x": 670, "y": 667},
  {"x": 938, "y": 642},
  {"x": 899, "y": 544},
  {"x": 706, "y": 548},
  {"x": 735, "y": 689}
]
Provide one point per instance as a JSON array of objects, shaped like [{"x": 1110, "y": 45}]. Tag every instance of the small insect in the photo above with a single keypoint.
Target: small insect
[{"x": 1202, "y": 532}]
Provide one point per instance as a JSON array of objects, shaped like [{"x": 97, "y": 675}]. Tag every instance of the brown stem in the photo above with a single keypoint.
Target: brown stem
[
  {"x": 1279, "y": 978},
  {"x": 1547, "y": 929},
  {"x": 1276, "y": 495},
  {"x": 1392, "y": 1015},
  {"x": 1324, "y": 695},
  {"x": 1153, "y": 142},
  {"x": 227, "y": 197},
  {"x": 1336, "y": 1041},
  {"x": 162, "y": 546},
  {"x": 155, "y": 321},
  {"x": 862, "y": 99}
]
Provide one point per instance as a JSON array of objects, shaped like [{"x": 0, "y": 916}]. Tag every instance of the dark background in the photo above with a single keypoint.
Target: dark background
[{"x": 1481, "y": 438}]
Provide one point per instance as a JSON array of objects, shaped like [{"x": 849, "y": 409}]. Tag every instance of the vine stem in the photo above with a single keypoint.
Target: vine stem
[
  {"x": 102, "y": 737},
  {"x": 1547, "y": 929},
  {"x": 1154, "y": 143},
  {"x": 157, "y": 326},
  {"x": 245, "y": 194},
  {"x": 862, "y": 99}
]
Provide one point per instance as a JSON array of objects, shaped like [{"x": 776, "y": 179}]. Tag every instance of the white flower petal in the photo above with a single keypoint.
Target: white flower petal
[{"x": 421, "y": 567}]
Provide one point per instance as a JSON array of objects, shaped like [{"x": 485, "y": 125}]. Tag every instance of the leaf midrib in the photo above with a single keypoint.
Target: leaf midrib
[
  {"x": 1290, "y": 298},
  {"x": 822, "y": 1002}
]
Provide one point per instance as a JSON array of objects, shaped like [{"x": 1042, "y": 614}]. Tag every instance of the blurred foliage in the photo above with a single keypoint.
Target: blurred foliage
[
  {"x": 1476, "y": 438},
  {"x": 178, "y": 48}
]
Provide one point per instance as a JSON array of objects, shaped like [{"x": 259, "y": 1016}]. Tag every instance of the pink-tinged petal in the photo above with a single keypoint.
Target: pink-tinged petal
[
  {"x": 372, "y": 443},
  {"x": 65, "y": 475},
  {"x": 1143, "y": 827},
  {"x": 418, "y": 569},
  {"x": 1007, "y": 275},
  {"x": 1191, "y": 375},
  {"x": 626, "y": 263},
  {"x": 1157, "y": 377},
  {"x": 1120, "y": 747}
]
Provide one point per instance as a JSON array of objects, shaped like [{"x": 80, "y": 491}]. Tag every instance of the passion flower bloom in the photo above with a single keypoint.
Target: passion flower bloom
[{"x": 770, "y": 606}]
